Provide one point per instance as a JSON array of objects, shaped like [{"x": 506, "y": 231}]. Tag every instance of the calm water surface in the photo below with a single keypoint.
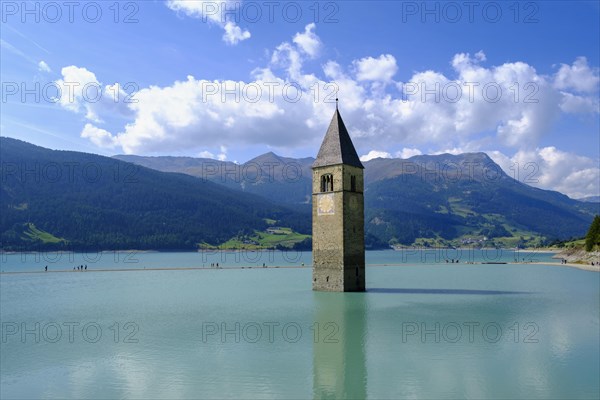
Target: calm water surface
[{"x": 425, "y": 329}]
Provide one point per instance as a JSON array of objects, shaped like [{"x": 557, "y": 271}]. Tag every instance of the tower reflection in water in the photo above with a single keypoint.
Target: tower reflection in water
[{"x": 339, "y": 354}]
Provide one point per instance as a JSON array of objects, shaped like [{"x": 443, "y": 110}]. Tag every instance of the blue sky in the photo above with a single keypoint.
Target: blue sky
[{"x": 397, "y": 68}]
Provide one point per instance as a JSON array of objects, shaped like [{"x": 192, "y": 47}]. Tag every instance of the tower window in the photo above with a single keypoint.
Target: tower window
[
  {"x": 353, "y": 183},
  {"x": 327, "y": 183}
]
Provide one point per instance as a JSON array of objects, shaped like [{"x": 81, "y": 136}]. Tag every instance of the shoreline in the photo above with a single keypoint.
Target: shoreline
[
  {"x": 531, "y": 250},
  {"x": 584, "y": 267},
  {"x": 62, "y": 271}
]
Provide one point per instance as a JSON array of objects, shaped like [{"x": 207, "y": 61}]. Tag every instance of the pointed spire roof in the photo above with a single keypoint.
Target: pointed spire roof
[{"x": 337, "y": 147}]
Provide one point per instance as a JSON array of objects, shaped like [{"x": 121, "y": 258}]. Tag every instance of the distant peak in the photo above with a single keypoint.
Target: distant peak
[{"x": 270, "y": 156}]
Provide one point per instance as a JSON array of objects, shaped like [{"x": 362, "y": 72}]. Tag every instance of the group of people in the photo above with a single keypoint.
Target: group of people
[
  {"x": 452, "y": 261},
  {"x": 78, "y": 268},
  {"x": 563, "y": 261}
]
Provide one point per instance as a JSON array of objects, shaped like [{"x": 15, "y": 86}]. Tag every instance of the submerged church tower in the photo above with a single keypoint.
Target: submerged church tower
[{"x": 338, "y": 213}]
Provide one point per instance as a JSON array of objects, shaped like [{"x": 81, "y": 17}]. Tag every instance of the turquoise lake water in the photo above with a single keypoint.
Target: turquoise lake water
[{"x": 424, "y": 329}]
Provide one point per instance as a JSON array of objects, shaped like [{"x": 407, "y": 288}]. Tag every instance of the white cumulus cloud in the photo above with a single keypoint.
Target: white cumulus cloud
[
  {"x": 206, "y": 154},
  {"x": 98, "y": 136},
  {"x": 550, "y": 168},
  {"x": 308, "y": 41},
  {"x": 375, "y": 154},
  {"x": 408, "y": 153},
  {"x": 80, "y": 90},
  {"x": 470, "y": 108},
  {"x": 234, "y": 34},
  {"x": 222, "y": 156},
  {"x": 215, "y": 12},
  {"x": 578, "y": 76},
  {"x": 382, "y": 68}
]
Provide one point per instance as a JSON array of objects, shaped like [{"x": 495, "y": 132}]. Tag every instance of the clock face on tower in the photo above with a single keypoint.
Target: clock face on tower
[{"x": 325, "y": 204}]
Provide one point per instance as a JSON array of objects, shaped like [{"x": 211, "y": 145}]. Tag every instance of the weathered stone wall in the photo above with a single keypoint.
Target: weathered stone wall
[{"x": 338, "y": 237}]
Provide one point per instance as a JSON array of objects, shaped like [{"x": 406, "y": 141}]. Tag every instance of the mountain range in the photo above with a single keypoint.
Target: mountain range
[
  {"x": 264, "y": 175},
  {"x": 427, "y": 199},
  {"x": 590, "y": 199},
  {"x": 63, "y": 199}
]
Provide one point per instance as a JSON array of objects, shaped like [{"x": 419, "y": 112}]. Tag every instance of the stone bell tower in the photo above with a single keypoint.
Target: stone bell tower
[{"x": 338, "y": 213}]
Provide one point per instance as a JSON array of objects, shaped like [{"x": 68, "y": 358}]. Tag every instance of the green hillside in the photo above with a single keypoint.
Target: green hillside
[
  {"x": 470, "y": 202},
  {"x": 32, "y": 235},
  {"x": 62, "y": 199},
  {"x": 283, "y": 238}
]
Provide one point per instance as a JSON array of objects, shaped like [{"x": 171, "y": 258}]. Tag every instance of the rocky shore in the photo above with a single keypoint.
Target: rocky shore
[{"x": 581, "y": 257}]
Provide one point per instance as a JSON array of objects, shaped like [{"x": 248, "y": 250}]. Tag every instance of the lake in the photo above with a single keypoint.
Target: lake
[{"x": 424, "y": 329}]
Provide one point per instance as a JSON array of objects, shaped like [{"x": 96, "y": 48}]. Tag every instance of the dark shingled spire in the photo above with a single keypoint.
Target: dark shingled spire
[{"x": 337, "y": 147}]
